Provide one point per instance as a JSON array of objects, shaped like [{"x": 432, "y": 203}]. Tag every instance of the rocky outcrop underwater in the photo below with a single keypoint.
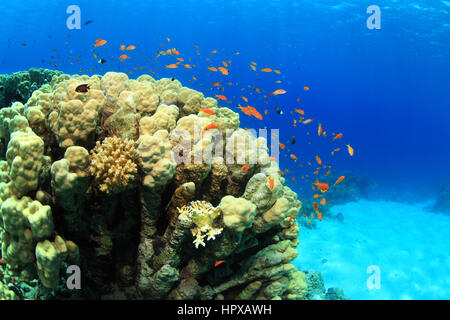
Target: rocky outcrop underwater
[
  {"x": 20, "y": 85},
  {"x": 100, "y": 173}
]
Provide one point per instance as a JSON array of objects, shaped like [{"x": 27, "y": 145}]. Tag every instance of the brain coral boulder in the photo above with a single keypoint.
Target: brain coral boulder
[{"x": 150, "y": 188}]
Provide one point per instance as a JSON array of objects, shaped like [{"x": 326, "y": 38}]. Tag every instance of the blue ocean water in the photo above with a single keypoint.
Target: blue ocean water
[{"x": 386, "y": 90}]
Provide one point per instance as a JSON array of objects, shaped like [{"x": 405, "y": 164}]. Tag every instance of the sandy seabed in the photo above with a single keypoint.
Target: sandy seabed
[{"x": 410, "y": 245}]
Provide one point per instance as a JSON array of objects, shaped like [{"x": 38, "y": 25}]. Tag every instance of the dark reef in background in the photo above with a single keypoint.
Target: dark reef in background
[
  {"x": 353, "y": 188},
  {"x": 20, "y": 85},
  {"x": 442, "y": 203}
]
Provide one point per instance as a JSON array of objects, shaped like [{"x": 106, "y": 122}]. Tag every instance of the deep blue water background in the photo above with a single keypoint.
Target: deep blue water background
[{"x": 387, "y": 90}]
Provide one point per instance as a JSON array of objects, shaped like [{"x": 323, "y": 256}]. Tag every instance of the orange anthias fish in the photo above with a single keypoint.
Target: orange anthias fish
[
  {"x": 276, "y": 71},
  {"x": 246, "y": 111},
  {"x": 316, "y": 206},
  {"x": 216, "y": 84},
  {"x": 319, "y": 161},
  {"x": 256, "y": 113},
  {"x": 214, "y": 51},
  {"x": 350, "y": 150},
  {"x": 172, "y": 66},
  {"x": 207, "y": 111},
  {"x": 221, "y": 97},
  {"x": 271, "y": 183},
  {"x": 339, "y": 180},
  {"x": 123, "y": 57},
  {"x": 210, "y": 126},
  {"x": 300, "y": 111},
  {"x": 187, "y": 66},
  {"x": 282, "y": 146},
  {"x": 338, "y": 136},
  {"x": 335, "y": 150},
  {"x": 175, "y": 51},
  {"x": 320, "y": 130},
  {"x": 223, "y": 70},
  {"x": 245, "y": 99},
  {"x": 323, "y": 201},
  {"x": 122, "y": 47},
  {"x": 99, "y": 43},
  {"x": 307, "y": 121},
  {"x": 253, "y": 67},
  {"x": 225, "y": 64},
  {"x": 218, "y": 263},
  {"x": 266, "y": 70},
  {"x": 245, "y": 168},
  {"x": 278, "y": 92},
  {"x": 130, "y": 48},
  {"x": 212, "y": 69},
  {"x": 293, "y": 156},
  {"x": 306, "y": 88},
  {"x": 322, "y": 186}
]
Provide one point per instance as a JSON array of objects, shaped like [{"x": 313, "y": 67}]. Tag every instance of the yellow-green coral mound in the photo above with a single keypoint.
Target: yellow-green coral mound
[
  {"x": 161, "y": 221},
  {"x": 113, "y": 164}
]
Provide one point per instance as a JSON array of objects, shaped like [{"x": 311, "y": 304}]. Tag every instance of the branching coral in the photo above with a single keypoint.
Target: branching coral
[
  {"x": 113, "y": 164},
  {"x": 203, "y": 214}
]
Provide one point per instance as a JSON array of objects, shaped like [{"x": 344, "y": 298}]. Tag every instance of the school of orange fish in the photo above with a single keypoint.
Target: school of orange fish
[{"x": 219, "y": 68}]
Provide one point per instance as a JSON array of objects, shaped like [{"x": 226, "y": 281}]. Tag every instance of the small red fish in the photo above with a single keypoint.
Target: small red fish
[
  {"x": 245, "y": 168},
  {"x": 207, "y": 111},
  {"x": 280, "y": 251},
  {"x": 221, "y": 97},
  {"x": 271, "y": 183},
  {"x": 210, "y": 126},
  {"x": 322, "y": 186},
  {"x": 218, "y": 263},
  {"x": 278, "y": 92},
  {"x": 339, "y": 180}
]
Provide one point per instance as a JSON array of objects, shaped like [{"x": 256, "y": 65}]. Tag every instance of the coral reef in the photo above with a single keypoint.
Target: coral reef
[
  {"x": 353, "y": 188},
  {"x": 442, "y": 203},
  {"x": 20, "y": 85},
  {"x": 115, "y": 170}
]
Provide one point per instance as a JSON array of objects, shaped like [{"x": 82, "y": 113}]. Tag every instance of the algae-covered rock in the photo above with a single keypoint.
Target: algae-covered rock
[{"x": 20, "y": 85}]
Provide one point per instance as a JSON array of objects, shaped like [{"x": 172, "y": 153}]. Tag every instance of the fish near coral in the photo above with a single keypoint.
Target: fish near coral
[
  {"x": 221, "y": 97},
  {"x": 207, "y": 111},
  {"x": 322, "y": 186},
  {"x": 271, "y": 183},
  {"x": 210, "y": 126},
  {"x": 83, "y": 88},
  {"x": 218, "y": 263}
]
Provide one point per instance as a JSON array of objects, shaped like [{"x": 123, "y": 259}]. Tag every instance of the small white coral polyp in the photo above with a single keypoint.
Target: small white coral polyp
[
  {"x": 113, "y": 164},
  {"x": 203, "y": 215}
]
